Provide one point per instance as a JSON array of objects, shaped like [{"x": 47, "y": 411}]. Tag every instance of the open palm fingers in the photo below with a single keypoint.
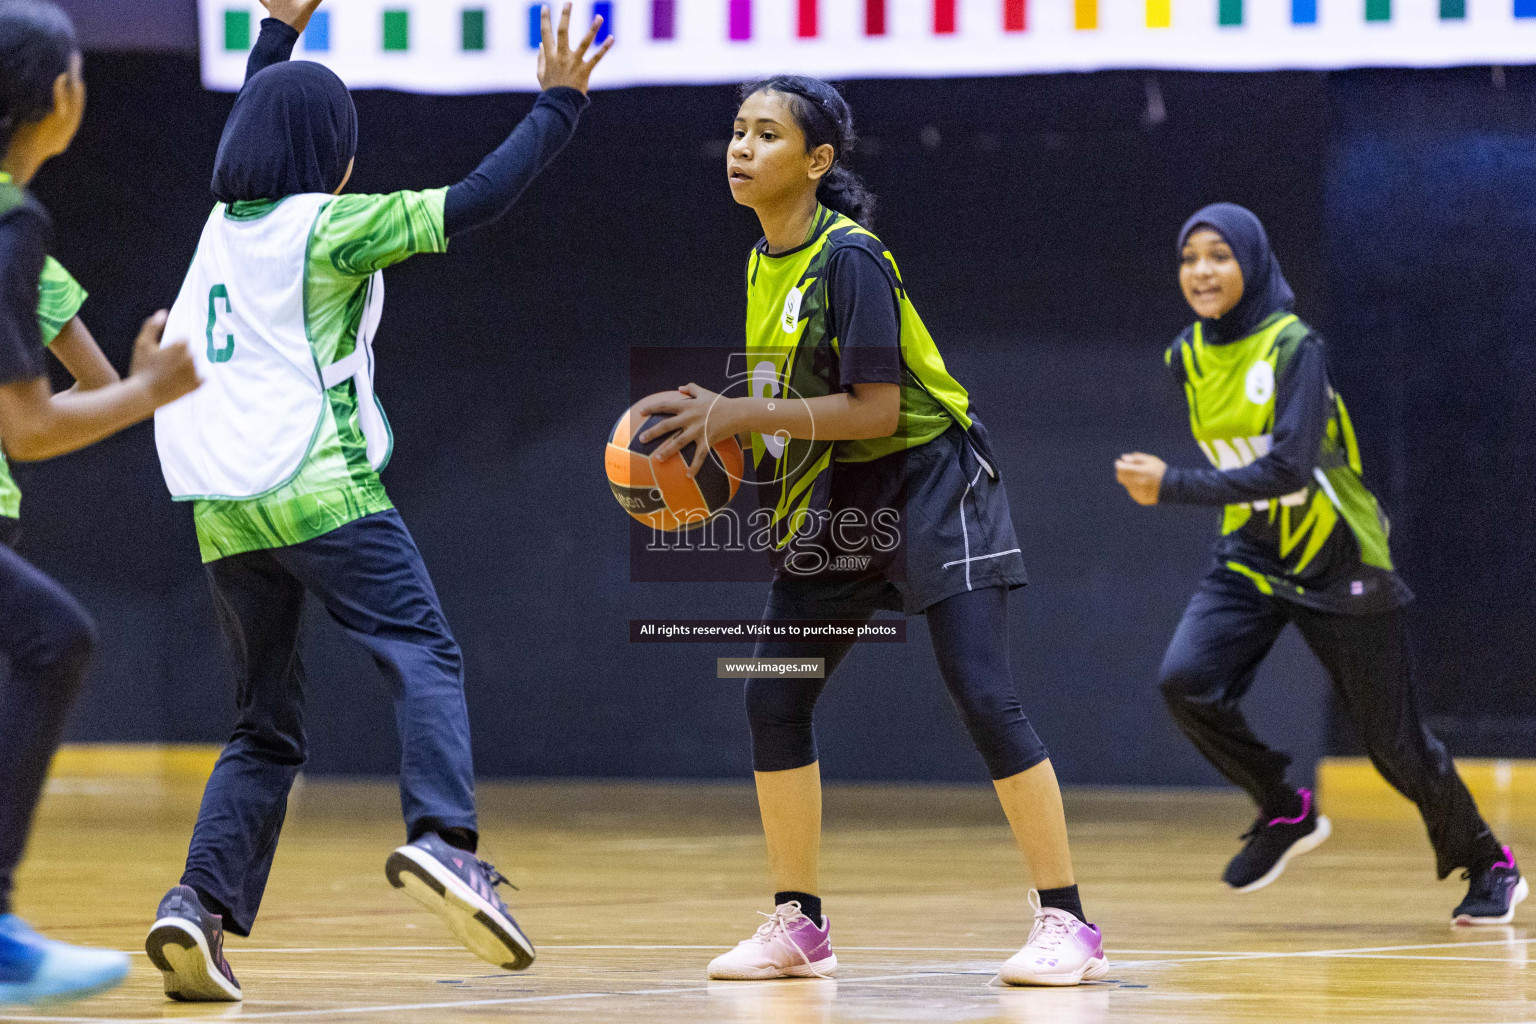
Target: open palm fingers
[
  {"x": 588, "y": 39},
  {"x": 564, "y": 37},
  {"x": 602, "y": 51}
]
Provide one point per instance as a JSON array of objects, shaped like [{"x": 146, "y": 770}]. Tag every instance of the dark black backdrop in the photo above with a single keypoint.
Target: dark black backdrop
[{"x": 1034, "y": 219}]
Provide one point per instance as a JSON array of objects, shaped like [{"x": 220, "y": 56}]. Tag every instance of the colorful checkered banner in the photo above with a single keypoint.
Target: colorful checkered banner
[{"x": 466, "y": 46}]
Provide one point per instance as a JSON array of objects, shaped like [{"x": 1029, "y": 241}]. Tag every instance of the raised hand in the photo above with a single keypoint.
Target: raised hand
[
  {"x": 168, "y": 371},
  {"x": 559, "y": 65},
  {"x": 292, "y": 12}
]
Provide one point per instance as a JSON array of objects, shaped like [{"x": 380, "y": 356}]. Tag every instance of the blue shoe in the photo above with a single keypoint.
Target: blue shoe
[
  {"x": 461, "y": 889},
  {"x": 187, "y": 944},
  {"x": 38, "y": 970}
]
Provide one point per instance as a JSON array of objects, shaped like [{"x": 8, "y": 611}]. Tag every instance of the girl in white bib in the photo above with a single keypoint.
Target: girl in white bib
[{"x": 281, "y": 453}]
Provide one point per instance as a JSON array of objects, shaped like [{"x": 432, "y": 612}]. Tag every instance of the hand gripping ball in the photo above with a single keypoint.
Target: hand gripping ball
[{"x": 661, "y": 494}]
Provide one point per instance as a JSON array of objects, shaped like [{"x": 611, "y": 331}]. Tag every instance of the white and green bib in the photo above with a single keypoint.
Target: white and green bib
[{"x": 250, "y": 427}]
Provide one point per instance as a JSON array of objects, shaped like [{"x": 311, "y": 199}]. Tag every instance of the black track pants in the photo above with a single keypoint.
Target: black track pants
[{"x": 1228, "y": 628}]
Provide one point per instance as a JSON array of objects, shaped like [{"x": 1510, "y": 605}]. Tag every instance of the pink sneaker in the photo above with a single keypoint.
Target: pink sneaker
[
  {"x": 1061, "y": 951},
  {"x": 787, "y": 945}
]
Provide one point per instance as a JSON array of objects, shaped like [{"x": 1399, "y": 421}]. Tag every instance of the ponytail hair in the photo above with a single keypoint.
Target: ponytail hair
[
  {"x": 825, "y": 118},
  {"x": 37, "y": 43}
]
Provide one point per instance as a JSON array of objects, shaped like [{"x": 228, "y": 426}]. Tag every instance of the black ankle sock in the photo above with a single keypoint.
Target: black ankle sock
[
  {"x": 1065, "y": 898},
  {"x": 459, "y": 838},
  {"x": 810, "y": 905},
  {"x": 210, "y": 904}
]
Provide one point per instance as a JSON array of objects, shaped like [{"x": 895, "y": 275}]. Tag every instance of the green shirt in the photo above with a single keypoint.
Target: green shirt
[
  {"x": 354, "y": 236},
  {"x": 59, "y": 298},
  {"x": 793, "y": 349}
]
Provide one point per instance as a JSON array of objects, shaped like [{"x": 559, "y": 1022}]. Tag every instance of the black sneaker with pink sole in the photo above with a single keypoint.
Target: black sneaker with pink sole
[
  {"x": 1493, "y": 893},
  {"x": 1273, "y": 841}
]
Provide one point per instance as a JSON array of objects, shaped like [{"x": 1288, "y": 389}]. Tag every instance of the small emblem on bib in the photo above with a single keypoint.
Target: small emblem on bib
[
  {"x": 791, "y": 311},
  {"x": 1261, "y": 383}
]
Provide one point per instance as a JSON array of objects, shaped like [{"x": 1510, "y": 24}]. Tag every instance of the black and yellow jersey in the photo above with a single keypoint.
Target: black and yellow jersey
[
  {"x": 1299, "y": 520},
  {"x": 796, "y": 348}
]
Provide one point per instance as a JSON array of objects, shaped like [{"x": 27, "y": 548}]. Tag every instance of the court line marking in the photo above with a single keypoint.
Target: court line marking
[
  {"x": 237, "y": 950},
  {"x": 1364, "y": 952},
  {"x": 1225, "y": 954},
  {"x": 457, "y": 1004},
  {"x": 336, "y": 949},
  {"x": 1409, "y": 956},
  {"x": 851, "y": 949}
]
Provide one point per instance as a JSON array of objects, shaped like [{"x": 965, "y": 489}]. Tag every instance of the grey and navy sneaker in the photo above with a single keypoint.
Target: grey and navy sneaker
[
  {"x": 187, "y": 944},
  {"x": 1494, "y": 894},
  {"x": 461, "y": 889},
  {"x": 1272, "y": 842}
]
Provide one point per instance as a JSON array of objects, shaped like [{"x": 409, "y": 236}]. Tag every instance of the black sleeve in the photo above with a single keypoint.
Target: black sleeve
[
  {"x": 865, "y": 318},
  {"x": 273, "y": 46},
  {"x": 1301, "y": 416},
  {"x": 489, "y": 192},
  {"x": 23, "y": 241}
]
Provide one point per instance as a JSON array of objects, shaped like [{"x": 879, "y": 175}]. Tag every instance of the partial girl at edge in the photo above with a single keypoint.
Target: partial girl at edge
[
  {"x": 65, "y": 336},
  {"x": 46, "y": 636}
]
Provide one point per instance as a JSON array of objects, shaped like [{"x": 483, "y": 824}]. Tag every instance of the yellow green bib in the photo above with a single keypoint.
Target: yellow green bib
[{"x": 793, "y": 350}]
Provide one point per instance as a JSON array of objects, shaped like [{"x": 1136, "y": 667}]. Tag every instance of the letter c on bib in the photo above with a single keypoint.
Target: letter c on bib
[
  {"x": 1260, "y": 384},
  {"x": 219, "y": 351}
]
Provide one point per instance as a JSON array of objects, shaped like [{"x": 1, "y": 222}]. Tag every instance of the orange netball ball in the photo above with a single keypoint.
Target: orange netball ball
[{"x": 661, "y": 494}]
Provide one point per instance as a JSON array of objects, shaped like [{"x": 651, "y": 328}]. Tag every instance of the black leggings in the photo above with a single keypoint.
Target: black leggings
[{"x": 970, "y": 640}]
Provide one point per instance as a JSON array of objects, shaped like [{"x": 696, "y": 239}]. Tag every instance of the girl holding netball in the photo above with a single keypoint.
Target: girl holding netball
[
  {"x": 1303, "y": 541},
  {"x": 45, "y": 635},
  {"x": 282, "y": 456},
  {"x": 852, "y": 417}
]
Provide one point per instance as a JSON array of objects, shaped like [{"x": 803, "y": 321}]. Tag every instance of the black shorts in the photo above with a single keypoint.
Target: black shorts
[{"x": 946, "y": 507}]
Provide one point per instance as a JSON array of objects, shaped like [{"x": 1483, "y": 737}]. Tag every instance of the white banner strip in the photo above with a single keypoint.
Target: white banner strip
[{"x": 471, "y": 46}]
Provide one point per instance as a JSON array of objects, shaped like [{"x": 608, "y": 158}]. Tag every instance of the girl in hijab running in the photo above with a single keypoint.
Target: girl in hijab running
[
  {"x": 282, "y": 458},
  {"x": 1302, "y": 541}
]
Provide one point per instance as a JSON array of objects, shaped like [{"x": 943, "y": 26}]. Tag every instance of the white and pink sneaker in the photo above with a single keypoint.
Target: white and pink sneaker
[
  {"x": 787, "y": 945},
  {"x": 1061, "y": 951}
]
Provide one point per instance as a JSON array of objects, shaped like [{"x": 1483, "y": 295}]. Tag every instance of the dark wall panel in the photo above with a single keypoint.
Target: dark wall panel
[{"x": 1431, "y": 298}]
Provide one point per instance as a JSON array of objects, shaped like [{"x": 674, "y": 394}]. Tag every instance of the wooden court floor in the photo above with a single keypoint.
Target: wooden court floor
[{"x": 629, "y": 890}]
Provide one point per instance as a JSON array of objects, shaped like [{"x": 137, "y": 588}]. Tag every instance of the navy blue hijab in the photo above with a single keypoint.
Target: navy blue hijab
[
  {"x": 1265, "y": 290},
  {"x": 293, "y": 130}
]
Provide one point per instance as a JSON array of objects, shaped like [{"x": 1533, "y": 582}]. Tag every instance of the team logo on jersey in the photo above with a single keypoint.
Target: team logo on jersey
[
  {"x": 765, "y": 384},
  {"x": 1260, "y": 384},
  {"x": 791, "y": 311}
]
